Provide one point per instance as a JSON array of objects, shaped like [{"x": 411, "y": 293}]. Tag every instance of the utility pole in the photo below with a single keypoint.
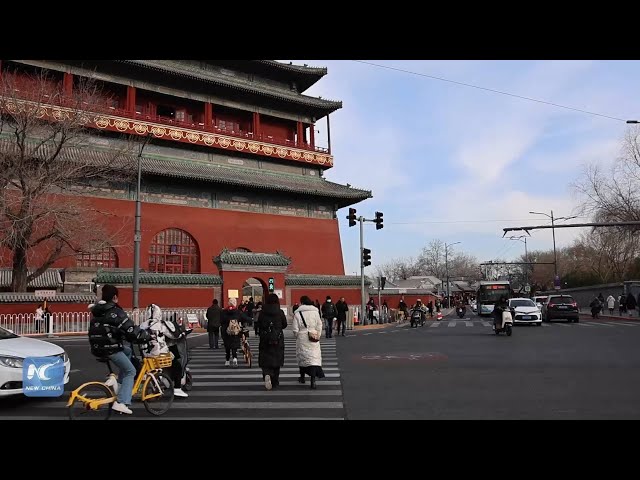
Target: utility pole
[
  {"x": 137, "y": 236},
  {"x": 363, "y": 317}
]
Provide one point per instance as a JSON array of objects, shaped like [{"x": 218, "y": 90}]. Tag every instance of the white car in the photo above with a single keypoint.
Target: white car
[
  {"x": 14, "y": 349},
  {"x": 524, "y": 310}
]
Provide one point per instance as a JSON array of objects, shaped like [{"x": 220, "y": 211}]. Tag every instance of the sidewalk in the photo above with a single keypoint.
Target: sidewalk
[{"x": 585, "y": 313}]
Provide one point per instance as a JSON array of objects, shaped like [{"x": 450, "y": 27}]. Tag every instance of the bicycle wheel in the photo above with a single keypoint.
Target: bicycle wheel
[
  {"x": 160, "y": 387},
  {"x": 80, "y": 409}
]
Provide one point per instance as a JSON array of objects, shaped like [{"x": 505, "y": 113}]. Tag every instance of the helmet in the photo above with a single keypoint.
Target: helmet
[{"x": 143, "y": 336}]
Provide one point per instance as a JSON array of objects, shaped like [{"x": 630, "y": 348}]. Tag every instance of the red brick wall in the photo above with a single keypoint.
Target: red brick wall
[
  {"x": 313, "y": 244},
  {"x": 351, "y": 295},
  {"x": 8, "y": 308}
]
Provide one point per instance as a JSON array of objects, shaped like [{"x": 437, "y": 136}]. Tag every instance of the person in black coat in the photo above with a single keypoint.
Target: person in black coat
[
  {"x": 271, "y": 323},
  {"x": 231, "y": 342},
  {"x": 342, "y": 308},
  {"x": 213, "y": 323}
]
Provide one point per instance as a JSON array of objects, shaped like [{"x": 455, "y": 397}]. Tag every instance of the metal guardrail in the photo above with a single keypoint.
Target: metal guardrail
[{"x": 26, "y": 324}]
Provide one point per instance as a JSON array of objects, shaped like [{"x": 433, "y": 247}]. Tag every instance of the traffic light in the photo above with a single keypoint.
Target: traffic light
[
  {"x": 366, "y": 257},
  {"x": 352, "y": 217},
  {"x": 383, "y": 281},
  {"x": 378, "y": 221},
  {"x": 272, "y": 284}
]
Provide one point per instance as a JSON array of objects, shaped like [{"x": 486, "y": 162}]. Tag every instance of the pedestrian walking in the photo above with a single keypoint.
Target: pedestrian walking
[
  {"x": 271, "y": 323},
  {"x": 307, "y": 328},
  {"x": 611, "y": 303},
  {"x": 213, "y": 323}
]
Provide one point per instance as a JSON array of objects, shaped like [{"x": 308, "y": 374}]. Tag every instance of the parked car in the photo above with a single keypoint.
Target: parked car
[
  {"x": 560, "y": 307},
  {"x": 14, "y": 349},
  {"x": 523, "y": 310}
]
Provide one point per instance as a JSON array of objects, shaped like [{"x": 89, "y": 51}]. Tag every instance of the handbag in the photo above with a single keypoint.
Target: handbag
[{"x": 313, "y": 337}]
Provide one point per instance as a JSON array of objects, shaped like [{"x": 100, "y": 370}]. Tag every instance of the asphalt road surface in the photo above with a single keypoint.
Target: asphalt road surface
[
  {"x": 459, "y": 369},
  {"x": 452, "y": 369}
]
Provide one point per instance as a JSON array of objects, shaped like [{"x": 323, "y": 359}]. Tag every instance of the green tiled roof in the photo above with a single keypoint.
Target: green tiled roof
[
  {"x": 59, "y": 298},
  {"x": 217, "y": 174},
  {"x": 328, "y": 280},
  {"x": 250, "y": 258},
  {"x": 49, "y": 279},
  {"x": 124, "y": 278},
  {"x": 236, "y": 83}
]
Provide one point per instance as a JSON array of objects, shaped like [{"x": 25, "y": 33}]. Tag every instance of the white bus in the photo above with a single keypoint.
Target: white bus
[{"x": 489, "y": 292}]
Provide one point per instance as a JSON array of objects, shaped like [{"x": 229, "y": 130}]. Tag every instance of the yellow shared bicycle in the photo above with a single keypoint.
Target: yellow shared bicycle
[{"x": 155, "y": 388}]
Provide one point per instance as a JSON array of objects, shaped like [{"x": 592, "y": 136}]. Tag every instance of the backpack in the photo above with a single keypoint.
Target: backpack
[
  {"x": 271, "y": 335},
  {"x": 233, "y": 328}
]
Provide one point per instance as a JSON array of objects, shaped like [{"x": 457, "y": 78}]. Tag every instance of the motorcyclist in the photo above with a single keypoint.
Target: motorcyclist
[
  {"x": 419, "y": 306},
  {"x": 461, "y": 306},
  {"x": 502, "y": 305},
  {"x": 110, "y": 327}
]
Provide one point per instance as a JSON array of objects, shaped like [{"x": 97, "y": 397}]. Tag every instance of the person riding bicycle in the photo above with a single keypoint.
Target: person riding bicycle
[
  {"x": 165, "y": 336},
  {"x": 110, "y": 327}
]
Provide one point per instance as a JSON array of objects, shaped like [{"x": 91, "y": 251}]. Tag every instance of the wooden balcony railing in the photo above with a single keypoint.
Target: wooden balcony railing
[{"x": 28, "y": 91}]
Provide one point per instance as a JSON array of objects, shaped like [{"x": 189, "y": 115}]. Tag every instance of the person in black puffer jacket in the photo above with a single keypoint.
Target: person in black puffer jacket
[
  {"x": 271, "y": 323},
  {"x": 110, "y": 327}
]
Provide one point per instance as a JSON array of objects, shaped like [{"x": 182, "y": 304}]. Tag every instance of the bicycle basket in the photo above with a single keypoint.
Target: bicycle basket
[{"x": 161, "y": 361}]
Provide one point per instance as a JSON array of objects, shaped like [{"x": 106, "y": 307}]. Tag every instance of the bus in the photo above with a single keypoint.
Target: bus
[{"x": 488, "y": 294}]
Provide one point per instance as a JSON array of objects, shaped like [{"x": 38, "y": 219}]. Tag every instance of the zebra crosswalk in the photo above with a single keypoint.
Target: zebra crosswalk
[
  {"x": 239, "y": 392},
  {"x": 475, "y": 322}
]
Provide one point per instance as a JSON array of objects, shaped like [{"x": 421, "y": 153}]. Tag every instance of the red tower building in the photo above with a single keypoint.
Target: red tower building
[{"x": 232, "y": 181}]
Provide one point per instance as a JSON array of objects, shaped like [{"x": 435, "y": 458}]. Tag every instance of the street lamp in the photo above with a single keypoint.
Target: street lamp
[
  {"x": 446, "y": 267},
  {"x": 633, "y": 121},
  {"x": 137, "y": 236},
  {"x": 553, "y": 230},
  {"x": 526, "y": 256}
]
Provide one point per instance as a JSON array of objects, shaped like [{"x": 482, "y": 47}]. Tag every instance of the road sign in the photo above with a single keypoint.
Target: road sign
[
  {"x": 45, "y": 293},
  {"x": 556, "y": 282},
  {"x": 192, "y": 318},
  {"x": 278, "y": 293},
  {"x": 527, "y": 288}
]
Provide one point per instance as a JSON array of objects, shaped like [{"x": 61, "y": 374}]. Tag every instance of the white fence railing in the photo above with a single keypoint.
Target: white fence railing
[{"x": 78, "y": 322}]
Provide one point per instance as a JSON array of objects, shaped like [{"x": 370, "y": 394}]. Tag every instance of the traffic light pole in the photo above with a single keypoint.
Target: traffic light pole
[{"x": 362, "y": 302}]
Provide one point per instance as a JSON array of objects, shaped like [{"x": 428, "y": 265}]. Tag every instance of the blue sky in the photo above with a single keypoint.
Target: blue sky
[{"x": 434, "y": 152}]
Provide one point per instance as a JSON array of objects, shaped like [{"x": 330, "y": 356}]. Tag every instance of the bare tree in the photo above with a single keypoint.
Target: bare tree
[
  {"x": 431, "y": 259},
  {"x": 43, "y": 131},
  {"x": 398, "y": 269},
  {"x": 613, "y": 195},
  {"x": 463, "y": 265}
]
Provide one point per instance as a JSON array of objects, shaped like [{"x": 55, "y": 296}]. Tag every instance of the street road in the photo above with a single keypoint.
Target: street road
[
  {"x": 452, "y": 369},
  {"x": 459, "y": 369}
]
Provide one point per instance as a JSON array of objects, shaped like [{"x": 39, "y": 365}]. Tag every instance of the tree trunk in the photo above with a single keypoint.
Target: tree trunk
[{"x": 19, "y": 280}]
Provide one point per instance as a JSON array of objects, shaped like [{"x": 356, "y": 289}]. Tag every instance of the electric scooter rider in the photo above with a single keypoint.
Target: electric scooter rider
[
  {"x": 422, "y": 309},
  {"x": 461, "y": 309},
  {"x": 501, "y": 306}
]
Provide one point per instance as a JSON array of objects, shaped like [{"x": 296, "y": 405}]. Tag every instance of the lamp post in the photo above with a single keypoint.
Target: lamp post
[
  {"x": 553, "y": 231},
  {"x": 446, "y": 267},
  {"x": 137, "y": 236}
]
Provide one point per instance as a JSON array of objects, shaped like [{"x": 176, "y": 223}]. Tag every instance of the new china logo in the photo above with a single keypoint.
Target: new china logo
[{"x": 43, "y": 376}]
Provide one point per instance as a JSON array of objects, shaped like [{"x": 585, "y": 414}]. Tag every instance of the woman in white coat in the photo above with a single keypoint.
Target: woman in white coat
[{"x": 306, "y": 323}]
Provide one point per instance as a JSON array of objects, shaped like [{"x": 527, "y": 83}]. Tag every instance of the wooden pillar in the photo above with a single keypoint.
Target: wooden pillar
[
  {"x": 131, "y": 99},
  {"x": 208, "y": 115},
  {"x": 312, "y": 135},
  {"x": 257, "y": 128},
  {"x": 328, "y": 135},
  {"x": 300, "y": 134},
  {"x": 67, "y": 84}
]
